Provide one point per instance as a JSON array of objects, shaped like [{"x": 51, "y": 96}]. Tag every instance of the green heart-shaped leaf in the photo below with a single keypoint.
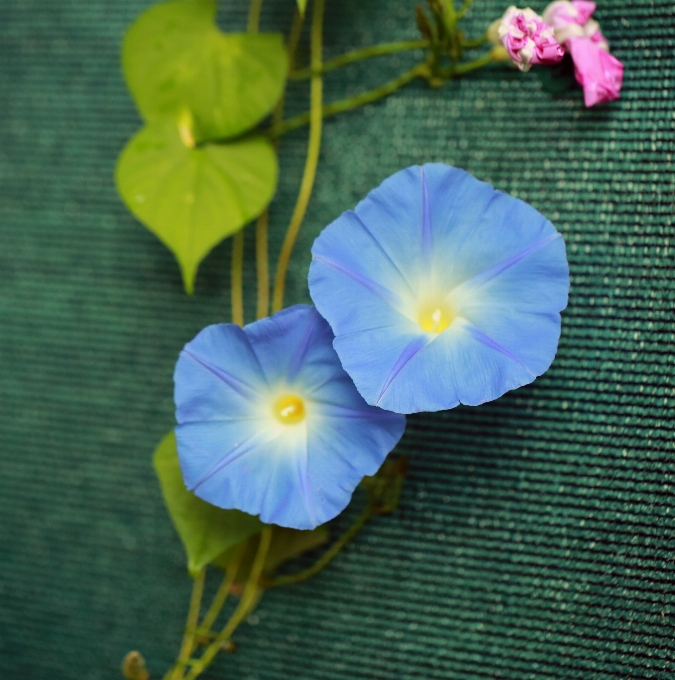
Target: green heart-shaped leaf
[
  {"x": 206, "y": 531},
  {"x": 174, "y": 57},
  {"x": 192, "y": 197}
]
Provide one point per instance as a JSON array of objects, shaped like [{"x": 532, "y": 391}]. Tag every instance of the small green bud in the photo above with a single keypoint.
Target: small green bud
[
  {"x": 492, "y": 34},
  {"x": 499, "y": 53},
  {"x": 423, "y": 24},
  {"x": 133, "y": 667}
]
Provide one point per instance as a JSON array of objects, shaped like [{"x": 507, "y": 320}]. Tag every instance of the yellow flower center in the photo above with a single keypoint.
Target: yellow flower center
[
  {"x": 435, "y": 318},
  {"x": 290, "y": 409}
]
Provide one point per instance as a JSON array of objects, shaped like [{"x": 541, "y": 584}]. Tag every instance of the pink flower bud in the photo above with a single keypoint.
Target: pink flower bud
[
  {"x": 598, "y": 72},
  {"x": 527, "y": 39},
  {"x": 562, "y": 13}
]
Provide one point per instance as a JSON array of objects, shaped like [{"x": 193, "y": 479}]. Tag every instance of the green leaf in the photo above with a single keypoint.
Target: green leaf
[
  {"x": 285, "y": 545},
  {"x": 302, "y": 6},
  {"x": 191, "y": 197},
  {"x": 206, "y": 531},
  {"x": 174, "y": 57}
]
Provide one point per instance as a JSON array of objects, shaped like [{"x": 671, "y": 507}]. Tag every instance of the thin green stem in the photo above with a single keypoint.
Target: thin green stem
[
  {"x": 223, "y": 592},
  {"x": 450, "y": 15},
  {"x": 294, "y": 37},
  {"x": 327, "y": 556},
  {"x": 262, "y": 223},
  {"x": 254, "y": 9},
  {"x": 468, "y": 66},
  {"x": 464, "y": 8},
  {"x": 237, "y": 268},
  {"x": 349, "y": 103},
  {"x": 187, "y": 645},
  {"x": 313, "y": 147},
  {"x": 474, "y": 43},
  {"x": 247, "y": 602},
  {"x": 237, "y": 278},
  {"x": 262, "y": 264},
  {"x": 360, "y": 54}
]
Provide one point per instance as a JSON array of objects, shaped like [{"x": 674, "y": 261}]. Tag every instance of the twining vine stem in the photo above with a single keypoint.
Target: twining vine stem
[
  {"x": 254, "y": 10},
  {"x": 237, "y": 268},
  {"x": 313, "y": 148},
  {"x": 262, "y": 223},
  {"x": 360, "y": 54},
  {"x": 420, "y": 70},
  {"x": 327, "y": 556},
  {"x": 176, "y": 672},
  {"x": 223, "y": 591},
  {"x": 237, "y": 278},
  {"x": 247, "y": 602},
  {"x": 262, "y": 264}
]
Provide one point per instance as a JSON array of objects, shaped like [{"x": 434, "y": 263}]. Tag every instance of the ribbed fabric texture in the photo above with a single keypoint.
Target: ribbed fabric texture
[{"x": 535, "y": 534}]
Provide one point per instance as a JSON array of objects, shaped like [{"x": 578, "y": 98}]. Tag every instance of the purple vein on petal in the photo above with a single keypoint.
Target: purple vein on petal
[
  {"x": 383, "y": 293},
  {"x": 427, "y": 239},
  {"x": 237, "y": 452},
  {"x": 499, "y": 268},
  {"x": 381, "y": 248},
  {"x": 469, "y": 232},
  {"x": 237, "y": 385},
  {"x": 489, "y": 342},
  {"x": 303, "y": 473},
  {"x": 408, "y": 353},
  {"x": 298, "y": 357}
]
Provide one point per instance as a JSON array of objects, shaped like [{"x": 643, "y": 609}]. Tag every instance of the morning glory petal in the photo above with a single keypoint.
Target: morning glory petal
[
  {"x": 507, "y": 307},
  {"x": 515, "y": 282},
  {"x": 488, "y": 278},
  {"x": 374, "y": 357},
  {"x": 393, "y": 214},
  {"x": 266, "y": 412},
  {"x": 352, "y": 238},
  {"x": 483, "y": 369},
  {"x": 271, "y": 481},
  {"x": 344, "y": 431},
  {"x": 205, "y": 388},
  {"x": 428, "y": 374},
  {"x": 207, "y": 448},
  {"x": 282, "y": 343}
]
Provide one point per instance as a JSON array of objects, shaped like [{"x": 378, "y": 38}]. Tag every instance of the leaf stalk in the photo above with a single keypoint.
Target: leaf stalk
[
  {"x": 315, "y": 119},
  {"x": 360, "y": 54}
]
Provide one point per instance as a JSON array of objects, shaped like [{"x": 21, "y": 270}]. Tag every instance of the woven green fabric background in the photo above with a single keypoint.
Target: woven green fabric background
[{"x": 535, "y": 534}]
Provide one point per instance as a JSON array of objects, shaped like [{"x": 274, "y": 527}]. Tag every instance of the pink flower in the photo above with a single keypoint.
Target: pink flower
[
  {"x": 527, "y": 39},
  {"x": 596, "y": 70},
  {"x": 560, "y": 14}
]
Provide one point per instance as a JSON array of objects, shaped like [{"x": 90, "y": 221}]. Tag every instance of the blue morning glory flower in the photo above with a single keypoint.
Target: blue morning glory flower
[
  {"x": 440, "y": 290},
  {"x": 269, "y": 422}
]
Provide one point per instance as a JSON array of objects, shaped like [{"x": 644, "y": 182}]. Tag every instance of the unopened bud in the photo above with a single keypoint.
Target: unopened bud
[
  {"x": 423, "y": 24},
  {"x": 492, "y": 34},
  {"x": 499, "y": 53},
  {"x": 133, "y": 667}
]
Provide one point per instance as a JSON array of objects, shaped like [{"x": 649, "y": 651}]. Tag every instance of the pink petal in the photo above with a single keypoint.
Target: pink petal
[
  {"x": 598, "y": 72},
  {"x": 585, "y": 8},
  {"x": 548, "y": 53}
]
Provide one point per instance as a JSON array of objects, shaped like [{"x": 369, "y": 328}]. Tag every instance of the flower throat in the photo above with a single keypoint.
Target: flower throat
[{"x": 290, "y": 409}]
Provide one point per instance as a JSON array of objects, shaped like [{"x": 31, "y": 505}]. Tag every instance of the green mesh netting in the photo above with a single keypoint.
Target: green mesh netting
[{"x": 535, "y": 534}]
